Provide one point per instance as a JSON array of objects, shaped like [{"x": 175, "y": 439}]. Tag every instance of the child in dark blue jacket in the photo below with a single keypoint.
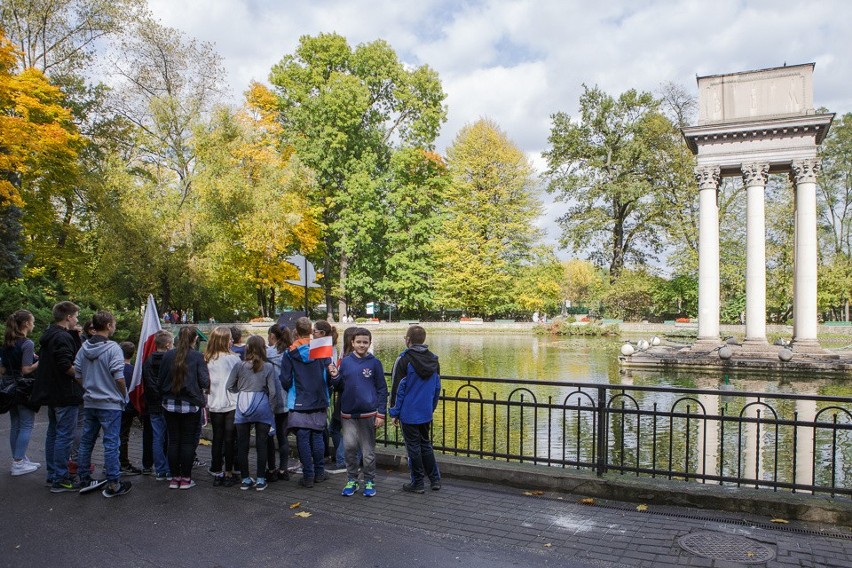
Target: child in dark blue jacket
[
  {"x": 363, "y": 402},
  {"x": 416, "y": 387}
]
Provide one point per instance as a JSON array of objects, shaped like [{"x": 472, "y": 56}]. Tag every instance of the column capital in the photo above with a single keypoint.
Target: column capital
[
  {"x": 805, "y": 171},
  {"x": 707, "y": 177},
  {"x": 755, "y": 174}
]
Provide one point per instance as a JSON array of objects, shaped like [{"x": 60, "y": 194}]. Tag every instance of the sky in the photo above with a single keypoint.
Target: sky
[{"x": 517, "y": 62}]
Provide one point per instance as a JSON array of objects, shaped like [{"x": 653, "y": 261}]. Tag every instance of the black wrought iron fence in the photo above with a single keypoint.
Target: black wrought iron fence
[{"x": 762, "y": 440}]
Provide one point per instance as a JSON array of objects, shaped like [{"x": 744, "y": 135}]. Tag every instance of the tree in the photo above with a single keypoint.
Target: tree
[
  {"x": 613, "y": 165},
  {"x": 488, "y": 231},
  {"x": 538, "y": 284},
  {"x": 344, "y": 111},
  {"x": 834, "y": 186},
  {"x": 583, "y": 282}
]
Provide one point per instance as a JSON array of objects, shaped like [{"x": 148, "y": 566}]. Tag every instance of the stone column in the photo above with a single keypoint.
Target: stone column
[
  {"x": 708, "y": 257},
  {"x": 754, "y": 179},
  {"x": 804, "y": 174}
]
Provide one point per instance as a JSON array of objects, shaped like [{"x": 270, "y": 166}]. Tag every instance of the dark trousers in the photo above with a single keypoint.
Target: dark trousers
[
  {"x": 421, "y": 457},
  {"x": 183, "y": 433},
  {"x": 147, "y": 437},
  {"x": 261, "y": 433},
  {"x": 283, "y": 444},
  {"x": 224, "y": 440}
]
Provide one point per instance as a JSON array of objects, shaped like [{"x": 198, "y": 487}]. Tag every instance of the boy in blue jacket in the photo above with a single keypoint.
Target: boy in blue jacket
[
  {"x": 416, "y": 387},
  {"x": 363, "y": 402}
]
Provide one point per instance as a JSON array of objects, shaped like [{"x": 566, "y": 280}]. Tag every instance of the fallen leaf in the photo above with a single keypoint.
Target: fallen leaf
[
  {"x": 204, "y": 442},
  {"x": 296, "y": 505},
  {"x": 750, "y": 554},
  {"x": 303, "y": 514},
  {"x": 536, "y": 492},
  {"x": 587, "y": 501},
  {"x": 642, "y": 507},
  {"x": 547, "y": 545},
  {"x": 780, "y": 521}
]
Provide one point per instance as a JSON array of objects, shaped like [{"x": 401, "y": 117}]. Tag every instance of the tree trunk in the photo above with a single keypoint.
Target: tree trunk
[
  {"x": 271, "y": 301},
  {"x": 342, "y": 308}
]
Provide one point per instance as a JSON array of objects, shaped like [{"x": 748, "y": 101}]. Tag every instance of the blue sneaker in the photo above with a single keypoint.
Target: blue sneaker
[
  {"x": 247, "y": 483},
  {"x": 350, "y": 488},
  {"x": 260, "y": 485},
  {"x": 369, "y": 489}
]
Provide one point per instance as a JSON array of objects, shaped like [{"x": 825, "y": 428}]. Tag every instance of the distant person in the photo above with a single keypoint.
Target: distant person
[
  {"x": 253, "y": 381},
  {"x": 238, "y": 347},
  {"x": 279, "y": 342},
  {"x": 182, "y": 380},
  {"x": 416, "y": 387},
  {"x": 363, "y": 405},
  {"x": 99, "y": 365},
  {"x": 19, "y": 360},
  {"x": 163, "y": 341},
  {"x": 56, "y": 387},
  {"x": 306, "y": 382},
  {"x": 221, "y": 406}
]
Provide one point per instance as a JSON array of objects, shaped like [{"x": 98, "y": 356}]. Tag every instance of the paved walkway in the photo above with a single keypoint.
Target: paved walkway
[{"x": 469, "y": 524}]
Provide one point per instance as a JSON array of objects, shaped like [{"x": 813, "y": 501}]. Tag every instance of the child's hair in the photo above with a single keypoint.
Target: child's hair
[
  {"x": 15, "y": 326},
  {"x": 282, "y": 338},
  {"x": 186, "y": 337},
  {"x": 256, "y": 352},
  {"x": 348, "y": 335},
  {"x": 219, "y": 343},
  {"x": 361, "y": 331},
  {"x": 416, "y": 334},
  {"x": 163, "y": 339},
  {"x": 64, "y": 309},
  {"x": 303, "y": 327},
  {"x": 236, "y": 334},
  {"x": 326, "y": 328},
  {"x": 101, "y": 320},
  {"x": 88, "y": 328},
  {"x": 128, "y": 348}
]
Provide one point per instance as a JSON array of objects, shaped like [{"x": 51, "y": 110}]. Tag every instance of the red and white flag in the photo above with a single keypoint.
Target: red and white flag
[
  {"x": 150, "y": 327},
  {"x": 321, "y": 348}
]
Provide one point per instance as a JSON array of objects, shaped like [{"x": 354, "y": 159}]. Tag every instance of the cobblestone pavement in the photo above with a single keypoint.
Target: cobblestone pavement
[{"x": 465, "y": 522}]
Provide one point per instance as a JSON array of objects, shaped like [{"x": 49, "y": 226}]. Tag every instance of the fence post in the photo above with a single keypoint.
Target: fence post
[{"x": 601, "y": 434}]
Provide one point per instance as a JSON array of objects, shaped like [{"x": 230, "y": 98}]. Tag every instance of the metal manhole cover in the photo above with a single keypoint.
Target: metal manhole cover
[{"x": 723, "y": 546}]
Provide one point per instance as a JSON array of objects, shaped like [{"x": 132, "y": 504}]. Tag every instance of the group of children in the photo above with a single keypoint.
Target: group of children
[{"x": 272, "y": 390}]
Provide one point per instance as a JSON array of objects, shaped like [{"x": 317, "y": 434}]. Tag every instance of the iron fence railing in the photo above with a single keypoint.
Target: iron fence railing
[{"x": 761, "y": 440}]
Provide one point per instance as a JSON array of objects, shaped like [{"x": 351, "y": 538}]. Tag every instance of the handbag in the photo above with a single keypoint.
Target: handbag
[{"x": 8, "y": 392}]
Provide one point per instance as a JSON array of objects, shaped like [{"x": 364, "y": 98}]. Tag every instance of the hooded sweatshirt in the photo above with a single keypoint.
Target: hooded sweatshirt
[
  {"x": 53, "y": 386},
  {"x": 417, "y": 385},
  {"x": 365, "y": 392},
  {"x": 304, "y": 379},
  {"x": 100, "y": 363},
  {"x": 219, "y": 399}
]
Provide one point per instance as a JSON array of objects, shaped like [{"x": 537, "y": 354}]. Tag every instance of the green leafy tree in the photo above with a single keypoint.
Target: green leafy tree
[
  {"x": 539, "y": 282},
  {"x": 613, "y": 165},
  {"x": 583, "y": 282},
  {"x": 344, "y": 111},
  {"x": 488, "y": 231}
]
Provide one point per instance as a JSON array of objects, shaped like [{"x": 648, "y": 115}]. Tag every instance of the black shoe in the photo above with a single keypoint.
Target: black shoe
[
  {"x": 436, "y": 485},
  {"x": 218, "y": 480},
  {"x": 271, "y": 476},
  {"x": 321, "y": 477},
  {"x": 307, "y": 483},
  {"x": 198, "y": 463},
  {"x": 283, "y": 475},
  {"x": 89, "y": 485},
  {"x": 147, "y": 471},
  {"x": 128, "y": 469},
  {"x": 411, "y": 488},
  {"x": 117, "y": 488},
  {"x": 229, "y": 481},
  {"x": 64, "y": 485}
]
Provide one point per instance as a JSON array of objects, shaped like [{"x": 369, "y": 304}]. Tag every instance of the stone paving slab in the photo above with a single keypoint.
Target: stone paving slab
[{"x": 554, "y": 527}]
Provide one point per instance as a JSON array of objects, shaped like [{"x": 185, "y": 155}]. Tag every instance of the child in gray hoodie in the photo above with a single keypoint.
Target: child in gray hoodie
[{"x": 99, "y": 365}]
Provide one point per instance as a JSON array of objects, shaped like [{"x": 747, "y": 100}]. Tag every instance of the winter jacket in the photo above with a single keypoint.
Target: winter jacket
[
  {"x": 365, "y": 391},
  {"x": 304, "y": 380},
  {"x": 100, "y": 363},
  {"x": 53, "y": 385},
  {"x": 419, "y": 385},
  {"x": 150, "y": 372},
  {"x": 219, "y": 399},
  {"x": 195, "y": 382}
]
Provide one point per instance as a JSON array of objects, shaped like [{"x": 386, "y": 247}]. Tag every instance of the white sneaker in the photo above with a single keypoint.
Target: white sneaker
[
  {"x": 27, "y": 460},
  {"x": 21, "y": 467}
]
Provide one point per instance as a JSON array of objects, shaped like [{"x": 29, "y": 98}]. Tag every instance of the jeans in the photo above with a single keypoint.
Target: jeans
[
  {"x": 147, "y": 437},
  {"x": 311, "y": 452},
  {"x": 224, "y": 441},
  {"x": 421, "y": 457},
  {"x": 62, "y": 423},
  {"x": 22, "y": 418},
  {"x": 93, "y": 420},
  {"x": 261, "y": 433},
  {"x": 283, "y": 444},
  {"x": 184, "y": 430},
  {"x": 336, "y": 432},
  {"x": 359, "y": 436},
  {"x": 159, "y": 443}
]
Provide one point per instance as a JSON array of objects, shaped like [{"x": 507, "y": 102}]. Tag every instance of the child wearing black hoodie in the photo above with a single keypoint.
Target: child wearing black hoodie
[{"x": 416, "y": 387}]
